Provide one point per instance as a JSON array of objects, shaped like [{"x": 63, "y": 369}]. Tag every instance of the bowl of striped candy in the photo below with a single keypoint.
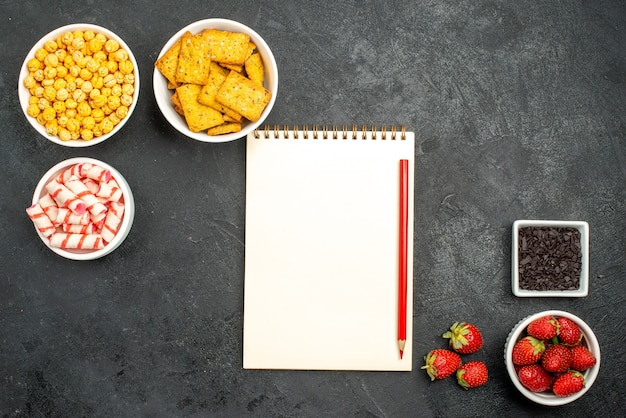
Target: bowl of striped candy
[{"x": 82, "y": 209}]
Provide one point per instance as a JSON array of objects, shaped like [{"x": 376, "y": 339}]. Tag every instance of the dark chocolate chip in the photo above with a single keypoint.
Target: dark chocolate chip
[{"x": 550, "y": 258}]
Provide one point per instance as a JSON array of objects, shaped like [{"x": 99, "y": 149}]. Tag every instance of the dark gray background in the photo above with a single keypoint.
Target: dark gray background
[{"x": 519, "y": 112}]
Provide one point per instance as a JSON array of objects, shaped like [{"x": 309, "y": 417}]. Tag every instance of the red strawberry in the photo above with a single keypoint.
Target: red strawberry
[
  {"x": 441, "y": 363},
  {"x": 543, "y": 328},
  {"x": 464, "y": 338},
  {"x": 556, "y": 358},
  {"x": 528, "y": 350},
  {"x": 582, "y": 358},
  {"x": 568, "y": 332},
  {"x": 473, "y": 374},
  {"x": 534, "y": 378},
  {"x": 569, "y": 383}
]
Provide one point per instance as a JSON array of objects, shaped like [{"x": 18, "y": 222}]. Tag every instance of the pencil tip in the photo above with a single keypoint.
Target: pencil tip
[{"x": 401, "y": 345}]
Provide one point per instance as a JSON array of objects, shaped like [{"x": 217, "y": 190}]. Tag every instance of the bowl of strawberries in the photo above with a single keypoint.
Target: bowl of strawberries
[{"x": 552, "y": 357}]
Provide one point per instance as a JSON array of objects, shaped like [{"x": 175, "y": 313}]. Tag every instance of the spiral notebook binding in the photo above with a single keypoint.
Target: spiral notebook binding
[{"x": 334, "y": 132}]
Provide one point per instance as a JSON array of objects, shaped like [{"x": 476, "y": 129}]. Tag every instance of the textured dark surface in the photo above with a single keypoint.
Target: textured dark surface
[{"x": 519, "y": 112}]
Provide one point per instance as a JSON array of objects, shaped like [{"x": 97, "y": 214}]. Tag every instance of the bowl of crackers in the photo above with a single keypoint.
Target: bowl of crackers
[
  {"x": 215, "y": 80},
  {"x": 78, "y": 85}
]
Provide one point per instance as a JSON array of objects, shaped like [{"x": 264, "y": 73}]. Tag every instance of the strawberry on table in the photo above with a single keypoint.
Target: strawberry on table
[
  {"x": 543, "y": 328},
  {"x": 534, "y": 378},
  {"x": 568, "y": 383},
  {"x": 465, "y": 338},
  {"x": 472, "y": 374},
  {"x": 582, "y": 358},
  {"x": 528, "y": 350},
  {"x": 568, "y": 332},
  {"x": 556, "y": 358},
  {"x": 441, "y": 363}
]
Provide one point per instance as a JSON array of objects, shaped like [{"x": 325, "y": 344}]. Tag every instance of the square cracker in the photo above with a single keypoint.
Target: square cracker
[
  {"x": 243, "y": 95},
  {"x": 240, "y": 68},
  {"x": 217, "y": 76},
  {"x": 226, "y": 128},
  {"x": 233, "y": 67},
  {"x": 255, "y": 68},
  {"x": 168, "y": 63},
  {"x": 177, "y": 106},
  {"x": 198, "y": 116},
  {"x": 227, "y": 47},
  {"x": 193, "y": 59},
  {"x": 175, "y": 100}
]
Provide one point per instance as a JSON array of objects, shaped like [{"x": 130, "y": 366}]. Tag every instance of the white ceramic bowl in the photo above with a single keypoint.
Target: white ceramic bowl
[
  {"x": 127, "y": 218},
  {"x": 163, "y": 95},
  {"x": 583, "y": 288},
  {"x": 547, "y": 398},
  {"x": 24, "y": 94}
]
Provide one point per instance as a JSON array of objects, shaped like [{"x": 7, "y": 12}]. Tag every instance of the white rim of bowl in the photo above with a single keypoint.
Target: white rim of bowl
[
  {"x": 24, "y": 94},
  {"x": 125, "y": 225},
  {"x": 159, "y": 80},
  {"x": 547, "y": 398}
]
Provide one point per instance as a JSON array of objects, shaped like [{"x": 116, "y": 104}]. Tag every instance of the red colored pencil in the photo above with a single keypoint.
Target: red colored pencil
[{"x": 403, "y": 249}]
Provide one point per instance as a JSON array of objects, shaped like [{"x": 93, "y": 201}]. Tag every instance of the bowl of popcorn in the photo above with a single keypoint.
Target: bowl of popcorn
[
  {"x": 215, "y": 80},
  {"x": 82, "y": 209},
  {"x": 552, "y": 357},
  {"x": 78, "y": 85},
  {"x": 550, "y": 258}
]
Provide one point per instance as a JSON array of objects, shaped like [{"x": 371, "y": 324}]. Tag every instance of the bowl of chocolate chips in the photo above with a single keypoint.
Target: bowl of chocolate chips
[{"x": 550, "y": 258}]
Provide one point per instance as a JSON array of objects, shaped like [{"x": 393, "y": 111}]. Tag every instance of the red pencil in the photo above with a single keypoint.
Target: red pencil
[{"x": 403, "y": 253}]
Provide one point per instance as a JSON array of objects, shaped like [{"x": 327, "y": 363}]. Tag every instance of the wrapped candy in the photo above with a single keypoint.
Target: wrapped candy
[
  {"x": 41, "y": 220},
  {"x": 92, "y": 185},
  {"x": 98, "y": 220},
  {"x": 97, "y": 173},
  {"x": 76, "y": 241},
  {"x": 79, "y": 229},
  {"x": 82, "y": 192},
  {"x": 110, "y": 191},
  {"x": 66, "y": 216},
  {"x": 112, "y": 221},
  {"x": 65, "y": 198},
  {"x": 50, "y": 207},
  {"x": 74, "y": 170}
]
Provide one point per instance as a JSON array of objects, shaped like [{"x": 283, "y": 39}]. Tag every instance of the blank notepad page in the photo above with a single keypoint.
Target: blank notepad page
[{"x": 321, "y": 256}]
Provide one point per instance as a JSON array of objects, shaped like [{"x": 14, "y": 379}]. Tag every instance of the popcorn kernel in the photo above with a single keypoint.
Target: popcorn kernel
[
  {"x": 50, "y": 46},
  {"x": 97, "y": 115},
  {"x": 86, "y": 134},
  {"x": 33, "y": 110},
  {"x": 41, "y": 54},
  {"x": 111, "y": 46},
  {"x": 49, "y": 114},
  {"x": 88, "y": 122},
  {"x": 83, "y": 109},
  {"x": 126, "y": 67},
  {"x": 107, "y": 126},
  {"x": 30, "y": 82},
  {"x": 64, "y": 135},
  {"x": 62, "y": 95},
  {"x": 52, "y": 128},
  {"x": 88, "y": 35},
  {"x": 34, "y": 64}
]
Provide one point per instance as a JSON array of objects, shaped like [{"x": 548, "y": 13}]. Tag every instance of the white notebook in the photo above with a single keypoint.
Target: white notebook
[{"x": 321, "y": 255}]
